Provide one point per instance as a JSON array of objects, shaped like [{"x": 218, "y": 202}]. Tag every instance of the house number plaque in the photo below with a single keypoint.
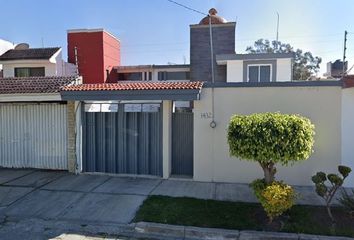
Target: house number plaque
[{"x": 206, "y": 115}]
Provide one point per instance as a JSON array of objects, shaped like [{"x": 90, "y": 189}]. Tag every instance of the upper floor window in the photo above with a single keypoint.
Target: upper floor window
[
  {"x": 130, "y": 76},
  {"x": 135, "y": 76},
  {"x": 29, "y": 72},
  {"x": 259, "y": 73},
  {"x": 183, "y": 75}
]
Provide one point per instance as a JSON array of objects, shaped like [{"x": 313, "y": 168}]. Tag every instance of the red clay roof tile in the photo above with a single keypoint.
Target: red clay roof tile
[{"x": 134, "y": 86}]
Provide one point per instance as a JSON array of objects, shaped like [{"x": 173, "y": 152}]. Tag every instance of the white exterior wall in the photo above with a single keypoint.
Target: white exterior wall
[
  {"x": 348, "y": 132},
  {"x": 9, "y": 67},
  {"x": 166, "y": 138},
  {"x": 54, "y": 66},
  {"x": 212, "y": 161},
  {"x": 58, "y": 63},
  {"x": 234, "y": 71},
  {"x": 284, "y": 69},
  {"x": 4, "y": 46}
]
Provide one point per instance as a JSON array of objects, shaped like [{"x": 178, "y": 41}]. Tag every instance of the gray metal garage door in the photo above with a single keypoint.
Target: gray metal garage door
[
  {"x": 33, "y": 135},
  {"x": 123, "y": 142}
]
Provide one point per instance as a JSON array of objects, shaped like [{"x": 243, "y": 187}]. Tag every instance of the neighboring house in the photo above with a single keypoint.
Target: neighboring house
[
  {"x": 172, "y": 72},
  {"x": 36, "y": 126},
  {"x": 34, "y": 120},
  {"x": 23, "y": 61},
  {"x": 4, "y": 46}
]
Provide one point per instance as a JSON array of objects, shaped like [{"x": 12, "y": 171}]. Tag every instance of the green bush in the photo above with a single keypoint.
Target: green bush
[
  {"x": 275, "y": 198},
  {"x": 328, "y": 192},
  {"x": 270, "y": 138}
]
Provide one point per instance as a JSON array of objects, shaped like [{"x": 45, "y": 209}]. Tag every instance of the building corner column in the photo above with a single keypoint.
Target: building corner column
[{"x": 166, "y": 138}]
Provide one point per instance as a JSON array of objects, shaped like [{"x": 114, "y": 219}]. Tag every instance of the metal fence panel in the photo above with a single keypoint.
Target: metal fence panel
[
  {"x": 33, "y": 135},
  {"x": 123, "y": 142}
]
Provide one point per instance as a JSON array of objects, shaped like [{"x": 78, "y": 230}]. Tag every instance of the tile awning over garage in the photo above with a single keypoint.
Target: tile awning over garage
[
  {"x": 34, "y": 85},
  {"x": 133, "y": 91}
]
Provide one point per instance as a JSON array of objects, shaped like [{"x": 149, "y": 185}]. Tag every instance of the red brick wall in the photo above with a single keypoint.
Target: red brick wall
[{"x": 96, "y": 51}]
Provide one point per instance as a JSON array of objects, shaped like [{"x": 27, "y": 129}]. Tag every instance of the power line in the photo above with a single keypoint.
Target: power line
[
  {"x": 189, "y": 8},
  {"x": 245, "y": 40}
]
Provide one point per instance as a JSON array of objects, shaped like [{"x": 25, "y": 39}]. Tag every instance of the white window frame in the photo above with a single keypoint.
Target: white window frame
[{"x": 259, "y": 71}]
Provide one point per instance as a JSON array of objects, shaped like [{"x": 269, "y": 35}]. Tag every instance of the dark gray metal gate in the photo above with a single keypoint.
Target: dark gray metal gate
[
  {"x": 182, "y": 143},
  {"x": 122, "y": 142}
]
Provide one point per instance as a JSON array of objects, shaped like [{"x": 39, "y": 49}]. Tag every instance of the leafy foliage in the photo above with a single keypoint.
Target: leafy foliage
[
  {"x": 275, "y": 198},
  {"x": 347, "y": 201},
  {"x": 328, "y": 192},
  {"x": 305, "y": 64},
  {"x": 275, "y": 137},
  {"x": 270, "y": 138},
  {"x": 258, "y": 186}
]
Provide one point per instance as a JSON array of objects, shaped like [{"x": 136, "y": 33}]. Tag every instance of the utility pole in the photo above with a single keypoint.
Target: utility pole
[{"x": 344, "y": 51}]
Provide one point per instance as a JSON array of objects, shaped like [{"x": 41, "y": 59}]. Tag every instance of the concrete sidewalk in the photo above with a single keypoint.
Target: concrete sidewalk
[{"x": 102, "y": 200}]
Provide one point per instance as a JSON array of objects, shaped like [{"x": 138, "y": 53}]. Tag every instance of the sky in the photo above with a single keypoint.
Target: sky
[{"x": 157, "y": 31}]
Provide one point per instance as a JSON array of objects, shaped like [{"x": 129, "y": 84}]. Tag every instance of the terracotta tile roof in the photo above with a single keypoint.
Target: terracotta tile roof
[
  {"x": 33, "y": 84},
  {"x": 31, "y": 53},
  {"x": 135, "y": 86}
]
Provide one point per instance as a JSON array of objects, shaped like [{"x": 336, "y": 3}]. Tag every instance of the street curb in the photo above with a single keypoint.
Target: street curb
[
  {"x": 147, "y": 230},
  {"x": 166, "y": 231}
]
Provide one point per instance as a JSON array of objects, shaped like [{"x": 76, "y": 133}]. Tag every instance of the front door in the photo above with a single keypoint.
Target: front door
[{"x": 182, "y": 143}]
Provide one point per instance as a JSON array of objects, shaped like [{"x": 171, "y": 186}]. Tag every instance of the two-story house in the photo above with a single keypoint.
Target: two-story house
[{"x": 23, "y": 61}]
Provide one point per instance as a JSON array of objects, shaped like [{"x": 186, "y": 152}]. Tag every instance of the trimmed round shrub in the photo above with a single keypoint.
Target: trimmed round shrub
[{"x": 270, "y": 138}]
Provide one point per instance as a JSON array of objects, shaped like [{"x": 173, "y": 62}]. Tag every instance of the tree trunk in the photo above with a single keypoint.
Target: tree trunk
[
  {"x": 269, "y": 172},
  {"x": 330, "y": 213}
]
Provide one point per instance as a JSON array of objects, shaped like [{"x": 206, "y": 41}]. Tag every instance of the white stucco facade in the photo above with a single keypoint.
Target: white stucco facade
[
  {"x": 237, "y": 66},
  {"x": 54, "y": 66},
  {"x": 329, "y": 109},
  {"x": 234, "y": 71},
  {"x": 9, "y": 67},
  {"x": 348, "y": 132},
  {"x": 284, "y": 69}
]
